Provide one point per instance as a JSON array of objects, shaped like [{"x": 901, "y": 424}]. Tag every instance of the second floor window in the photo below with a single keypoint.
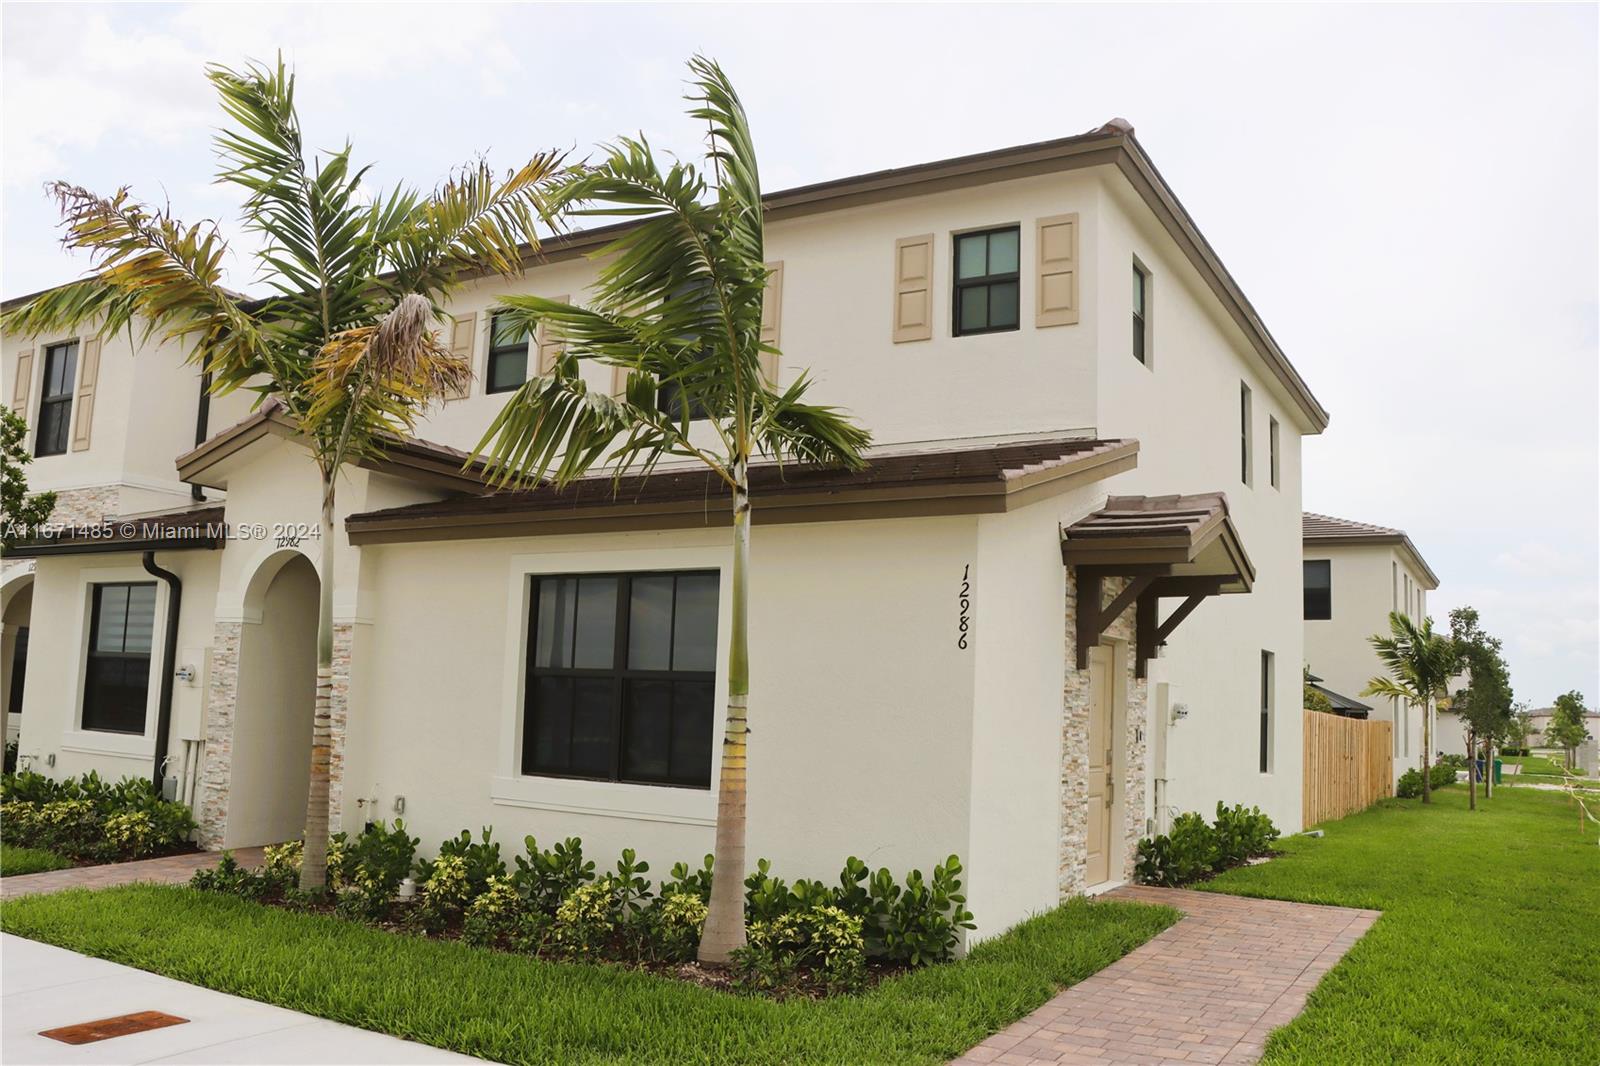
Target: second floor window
[
  {"x": 987, "y": 284},
  {"x": 1245, "y": 465},
  {"x": 117, "y": 679},
  {"x": 1141, "y": 297},
  {"x": 1318, "y": 589},
  {"x": 55, "y": 400},
  {"x": 508, "y": 357},
  {"x": 621, "y": 678}
]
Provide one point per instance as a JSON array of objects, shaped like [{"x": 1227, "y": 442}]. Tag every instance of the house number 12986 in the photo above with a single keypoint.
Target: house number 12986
[{"x": 965, "y": 599}]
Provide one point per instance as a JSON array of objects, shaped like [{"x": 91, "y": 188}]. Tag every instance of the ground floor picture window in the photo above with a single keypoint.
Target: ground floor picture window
[
  {"x": 621, "y": 677},
  {"x": 19, "y": 671},
  {"x": 117, "y": 677}
]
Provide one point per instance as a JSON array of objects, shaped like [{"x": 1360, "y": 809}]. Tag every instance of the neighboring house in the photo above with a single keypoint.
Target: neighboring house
[
  {"x": 1355, "y": 574},
  {"x": 1539, "y": 721},
  {"x": 1070, "y": 398}
]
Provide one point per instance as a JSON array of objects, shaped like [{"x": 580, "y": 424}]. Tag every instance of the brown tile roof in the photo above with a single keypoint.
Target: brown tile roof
[
  {"x": 1326, "y": 529},
  {"x": 987, "y": 477},
  {"x": 1321, "y": 525},
  {"x": 186, "y": 528},
  {"x": 1191, "y": 534},
  {"x": 406, "y": 456}
]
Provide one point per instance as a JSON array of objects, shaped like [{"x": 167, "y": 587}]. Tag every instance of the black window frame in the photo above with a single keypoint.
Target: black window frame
[
  {"x": 1246, "y": 443},
  {"x": 53, "y": 433},
  {"x": 93, "y": 654},
  {"x": 491, "y": 384},
  {"x": 1273, "y": 460},
  {"x": 620, "y": 673},
  {"x": 1267, "y": 670},
  {"x": 986, "y": 281},
  {"x": 1325, "y": 591},
  {"x": 1141, "y": 314}
]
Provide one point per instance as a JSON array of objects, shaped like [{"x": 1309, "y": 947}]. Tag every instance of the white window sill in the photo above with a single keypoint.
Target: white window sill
[
  {"x": 607, "y": 799},
  {"x": 91, "y": 742}
]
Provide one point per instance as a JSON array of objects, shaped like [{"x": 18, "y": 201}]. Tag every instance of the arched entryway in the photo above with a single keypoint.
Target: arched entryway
[
  {"x": 16, "y": 606},
  {"x": 275, "y": 699}
]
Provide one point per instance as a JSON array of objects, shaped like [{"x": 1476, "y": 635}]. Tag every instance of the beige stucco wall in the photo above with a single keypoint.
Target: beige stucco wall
[
  {"x": 1183, "y": 406},
  {"x": 1368, "y": 581},
  {"x": 58, "y": 639},
  {"x": 144, "y": 417}
]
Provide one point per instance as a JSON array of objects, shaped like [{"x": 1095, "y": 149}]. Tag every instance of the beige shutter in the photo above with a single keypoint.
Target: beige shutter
[
  {"x": 88, "y": 374},
  {"x": 549, "y": 349},
  {"x": 463, "y": 337},
  {"x": 1057, "y": 266},
  {"x": 913, "y": 288},
  {"x": 23, "y": 383},
  {"x": 772, "y": 319}
]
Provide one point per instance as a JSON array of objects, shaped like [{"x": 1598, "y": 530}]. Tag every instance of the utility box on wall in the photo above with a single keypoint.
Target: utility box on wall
[{"x": 192, "y": 674}]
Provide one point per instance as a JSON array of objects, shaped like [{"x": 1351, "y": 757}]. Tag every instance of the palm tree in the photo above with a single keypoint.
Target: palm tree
[
  {"x": 1421, "y": 663},
  {"x": 345, "y": 345},
  {"x": 677, "y": 307}
]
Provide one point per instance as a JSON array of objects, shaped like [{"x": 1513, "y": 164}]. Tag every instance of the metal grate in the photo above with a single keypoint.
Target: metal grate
[{"x": 106, "y": 1028}]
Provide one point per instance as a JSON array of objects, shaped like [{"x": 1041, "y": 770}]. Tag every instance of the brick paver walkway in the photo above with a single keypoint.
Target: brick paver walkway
[
  {"x": 1209, "y": 989},
  {"x": 171, "y": 870}
]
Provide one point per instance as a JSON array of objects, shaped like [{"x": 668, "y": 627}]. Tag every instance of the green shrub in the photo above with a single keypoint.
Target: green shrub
[
  {"x": 822, "y": 942},
  {"x": 690, "y": 882},
  {"x": 495, "y": 916},
  {"x": 673, "y": 927},
  {"x": 1410, "y": 784},
  {"x": 545, "y": 878},
  {"x": 1187, "y": 853},
  {"x": 281, "y": 864},
  {"x": 370, "y": 868},
  {"x": 1455, "y": 762},
  {"x": 88, "y": 818},
  {"x": 445, "y": 894},
  {"x": 766, "y": 898},
  {"x": 587, "y": 920},
  {"x": 480, "y": 860},
  {"x": 1242, "y": 834},
  {"x": 229, "y": 878},
  {"x": 920, "y": 922}
]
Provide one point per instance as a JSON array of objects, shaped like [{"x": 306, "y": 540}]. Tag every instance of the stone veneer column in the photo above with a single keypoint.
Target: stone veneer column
[
  {"x": 1074, "y": 843},
  {"x": 222, "y": 701},
  {"x": 338, "y": 724},
  {"x": 1073, "y": 854}
]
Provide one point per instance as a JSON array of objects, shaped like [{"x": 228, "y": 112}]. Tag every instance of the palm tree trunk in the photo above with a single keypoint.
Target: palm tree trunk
[
  {"x": 1427, "y": 741},
  {"x": 724, "y": 928},
  {"x": 314, "y": 863}
]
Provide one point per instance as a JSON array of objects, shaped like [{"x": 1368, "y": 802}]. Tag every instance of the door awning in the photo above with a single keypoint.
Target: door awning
[{"x": 1165, "y": 546}]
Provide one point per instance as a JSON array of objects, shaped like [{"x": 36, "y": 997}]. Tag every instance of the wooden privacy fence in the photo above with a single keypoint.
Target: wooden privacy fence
[{"x": 1349, "y": 765}]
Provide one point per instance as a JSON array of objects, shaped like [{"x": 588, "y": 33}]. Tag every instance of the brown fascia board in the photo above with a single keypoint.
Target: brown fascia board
[
  {"x": 1098, "y": 148},
  {"x": 402, "y": 458},
  {"x": 1363, "y": 540},
  {"x": 931, "y": 498}
]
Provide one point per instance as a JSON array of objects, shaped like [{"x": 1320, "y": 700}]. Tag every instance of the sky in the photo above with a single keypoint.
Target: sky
[{"x": 1406, "y": 193}]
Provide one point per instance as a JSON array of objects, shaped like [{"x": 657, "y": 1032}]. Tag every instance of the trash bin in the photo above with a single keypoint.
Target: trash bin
[{"x": 1497, "y": 765}]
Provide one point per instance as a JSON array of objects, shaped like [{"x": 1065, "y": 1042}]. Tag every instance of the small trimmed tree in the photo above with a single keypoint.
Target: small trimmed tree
[
  {"x": 1485, "y": 704},
  {"x": 1567, "y": 727},
  {"x": 21, "y": 515}
]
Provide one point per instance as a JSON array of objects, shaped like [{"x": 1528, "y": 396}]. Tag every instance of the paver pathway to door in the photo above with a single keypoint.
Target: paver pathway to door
[
  {"x": 1208, "y": 989},
  {"x": 170, "y": 870}
]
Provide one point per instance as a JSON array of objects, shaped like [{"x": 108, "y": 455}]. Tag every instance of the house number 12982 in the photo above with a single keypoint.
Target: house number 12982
[{"x": 965, "y": 599}]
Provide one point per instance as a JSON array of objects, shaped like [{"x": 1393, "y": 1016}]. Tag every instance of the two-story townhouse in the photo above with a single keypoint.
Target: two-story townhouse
[
  {"x": 1056, "y": 607},
  {"x": 1355, "y": 575}
]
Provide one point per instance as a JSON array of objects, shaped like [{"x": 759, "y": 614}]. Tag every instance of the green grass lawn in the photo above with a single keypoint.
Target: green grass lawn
[
  {"x": 517, "y": 1009},
  {"x": 1534, "y": 764},
  {"x": 1488, "y": 950},
  {"x": 14, "y": 861}
]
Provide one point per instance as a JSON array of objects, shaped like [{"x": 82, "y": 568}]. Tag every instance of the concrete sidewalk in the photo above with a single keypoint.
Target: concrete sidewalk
[{"x": 46, "y": 987}]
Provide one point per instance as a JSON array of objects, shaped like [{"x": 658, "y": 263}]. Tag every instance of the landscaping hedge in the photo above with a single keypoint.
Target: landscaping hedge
[{"x": 89, "y": 819}]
